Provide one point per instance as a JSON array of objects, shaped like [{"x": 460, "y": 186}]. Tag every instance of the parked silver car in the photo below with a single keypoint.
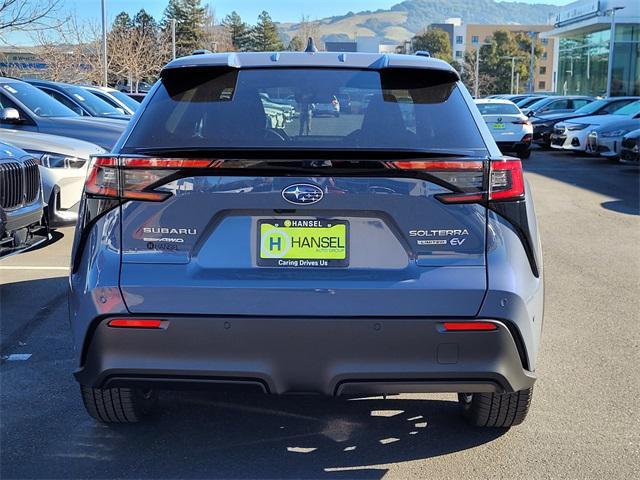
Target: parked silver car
[{"x": 63, "y": 168}]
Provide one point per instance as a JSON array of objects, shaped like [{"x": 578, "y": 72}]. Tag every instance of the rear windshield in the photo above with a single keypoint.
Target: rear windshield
[
  {"x": 498, "y": 109},
  {"x": 288, "y": 109}
]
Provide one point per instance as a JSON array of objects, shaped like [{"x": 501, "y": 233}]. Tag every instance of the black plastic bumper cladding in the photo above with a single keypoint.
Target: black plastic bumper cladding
[
  {"x": 327, "y": 356},
  {"x": 516, "y": 214}
]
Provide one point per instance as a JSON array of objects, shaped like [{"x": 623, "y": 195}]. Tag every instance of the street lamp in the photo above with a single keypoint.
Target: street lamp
[
  {"x": 612, "y": 42},
  {"x": 513, "y": 67}
]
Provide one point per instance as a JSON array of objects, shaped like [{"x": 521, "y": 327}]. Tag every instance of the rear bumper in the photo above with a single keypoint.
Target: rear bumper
[
  {"x": 513, "y": 146},
  {"x": 329, "y": 356}
]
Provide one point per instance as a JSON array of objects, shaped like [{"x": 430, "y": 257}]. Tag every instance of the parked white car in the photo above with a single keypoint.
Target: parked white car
[
  {"x": 574, "y": 134},
  {"x": 63, "y": 167},
  {"x": 511, "y": 129},
  {"x": 115, "y": 98}
]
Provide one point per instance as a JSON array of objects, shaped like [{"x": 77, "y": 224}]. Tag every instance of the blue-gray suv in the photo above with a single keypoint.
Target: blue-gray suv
[{"x": 391, "y": 249}]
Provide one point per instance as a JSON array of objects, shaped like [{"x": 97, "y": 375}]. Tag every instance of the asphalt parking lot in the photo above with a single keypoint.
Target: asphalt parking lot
[{"x": 584, "y": 421}]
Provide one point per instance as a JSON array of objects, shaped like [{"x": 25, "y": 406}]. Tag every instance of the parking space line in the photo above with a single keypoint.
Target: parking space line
[{"x": 34, "y": 267}]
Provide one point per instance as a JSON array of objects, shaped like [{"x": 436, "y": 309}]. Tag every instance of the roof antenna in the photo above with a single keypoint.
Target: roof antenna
[{"x": 311, "y": 47}]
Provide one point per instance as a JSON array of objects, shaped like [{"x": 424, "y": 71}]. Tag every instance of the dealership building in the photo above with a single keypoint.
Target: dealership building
[{"x": 597, "y": 48}]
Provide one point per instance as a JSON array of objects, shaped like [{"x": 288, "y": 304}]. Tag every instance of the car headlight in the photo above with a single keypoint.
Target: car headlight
[
  {"x": 55, "y": 160},
  {"x": 577, "y": 127},
  {"x": 614, "y": 133}
]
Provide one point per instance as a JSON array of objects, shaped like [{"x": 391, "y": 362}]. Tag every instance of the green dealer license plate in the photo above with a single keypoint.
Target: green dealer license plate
[{"x": 290, "y": 242}]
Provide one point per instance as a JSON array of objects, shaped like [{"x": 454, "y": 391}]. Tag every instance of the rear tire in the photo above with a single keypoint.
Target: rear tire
[
  {"x": 501, "y": 410},
  {"x": 523, "y": 153},
  {"x": 118, "y": 405}
]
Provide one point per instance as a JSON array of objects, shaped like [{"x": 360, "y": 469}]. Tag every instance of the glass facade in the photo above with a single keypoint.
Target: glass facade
[{"x": 583, "y": 62}]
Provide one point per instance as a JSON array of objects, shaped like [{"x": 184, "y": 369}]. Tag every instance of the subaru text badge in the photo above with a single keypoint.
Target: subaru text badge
[{"x": 302, "y": 194}]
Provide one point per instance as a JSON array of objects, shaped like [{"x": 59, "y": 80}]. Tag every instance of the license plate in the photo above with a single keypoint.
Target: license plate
[
  {"x": 498, "y": 126},
  {"x": 307, "y": 243}
]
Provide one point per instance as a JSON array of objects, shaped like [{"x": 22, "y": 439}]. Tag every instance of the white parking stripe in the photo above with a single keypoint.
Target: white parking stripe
[{"x": 34, "y": 267}]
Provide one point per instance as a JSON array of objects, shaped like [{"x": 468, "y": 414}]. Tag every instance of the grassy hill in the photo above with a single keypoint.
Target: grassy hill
[{"x": 403, "y": 20}]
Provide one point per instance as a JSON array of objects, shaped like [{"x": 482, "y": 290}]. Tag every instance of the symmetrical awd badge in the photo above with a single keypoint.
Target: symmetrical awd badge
[{"x": 302, "y": 194}]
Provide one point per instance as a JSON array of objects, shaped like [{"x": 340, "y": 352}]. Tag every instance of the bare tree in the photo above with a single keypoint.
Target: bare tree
[
  {"x": 215, "y": 37},
  {"x": 28, "y": 15},
  {"x": 304, "y": 29}
]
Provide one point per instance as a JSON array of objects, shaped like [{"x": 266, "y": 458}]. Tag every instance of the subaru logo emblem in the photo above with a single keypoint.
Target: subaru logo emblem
[{"x": 302, "y": 194}]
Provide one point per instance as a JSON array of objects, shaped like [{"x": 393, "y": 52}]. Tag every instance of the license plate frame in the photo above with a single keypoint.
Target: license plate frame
[{"x": 311, "y": 249}]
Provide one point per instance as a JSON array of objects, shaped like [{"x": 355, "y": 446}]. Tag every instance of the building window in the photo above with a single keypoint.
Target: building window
[
  {"x": 545, "y": 41},
  {"x": 475, "y": 39},
  {"x": 459, "y": 40},
  {"x": 544, "y": 55},
  {"x": 542, "y": 84},
  {"x": 458, "y": 53},
  {"x": 543, "y": 70}
]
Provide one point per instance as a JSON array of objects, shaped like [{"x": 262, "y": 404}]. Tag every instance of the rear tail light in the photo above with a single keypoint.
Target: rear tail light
[
  {"x": 522, "y": 122},
  {"x": 135, "y": 178},
  {"x": 467, "y": 178}
]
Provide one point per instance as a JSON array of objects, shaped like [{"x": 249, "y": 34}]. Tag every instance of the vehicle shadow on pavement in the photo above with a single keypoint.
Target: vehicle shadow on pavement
[
  {"x": 205, "y": 435},
  {"x": 600, "y": 175}
]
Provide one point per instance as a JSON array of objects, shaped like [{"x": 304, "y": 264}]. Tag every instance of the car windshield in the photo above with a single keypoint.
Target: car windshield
[
  {"x": 537, "y": 104},
  {"x": 93, "y": 104},
  {"x": 591, "y": 107},
  {"x": 124, "y": 98},
  {"x": 498, "y": 109},
  {"x": 35, "y": 100},
  {"x": 395, "y": 109},
  {"x": 629, "y": 110},
  {"x": 525, "y": 102}
]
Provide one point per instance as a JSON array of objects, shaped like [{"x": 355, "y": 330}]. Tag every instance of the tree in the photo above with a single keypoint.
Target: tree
[
  {"x": 29, "y": 15},
  {"x": 189, "y": 16},
  {"x": 436, "y": 42},
  {"x": 296, "y": 44},
  {"x": 216, "y": 36},
  {"x": 122, "y": 22},
  {"x": 265, "y": 36},
  {"x": 238, "y": 31},
  {"x": 495, "y": 59}
]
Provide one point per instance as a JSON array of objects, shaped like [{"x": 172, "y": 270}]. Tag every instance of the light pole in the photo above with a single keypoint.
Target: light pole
[
  {"x": 612, "y": 42},
  {"x": 513, "y": 67},
  {"x": 532, "y": 62},
  {"x": 104, "y": 43},
  {"x": 173, "y": 37}
]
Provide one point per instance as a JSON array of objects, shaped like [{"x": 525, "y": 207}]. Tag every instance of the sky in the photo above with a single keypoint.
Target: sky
[{"x": 280, "y": 10}]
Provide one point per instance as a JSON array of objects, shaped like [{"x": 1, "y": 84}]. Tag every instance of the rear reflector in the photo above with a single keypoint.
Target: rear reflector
[
  {"x": 134, "y": 323},
  {"x": 468, "y": 326}
]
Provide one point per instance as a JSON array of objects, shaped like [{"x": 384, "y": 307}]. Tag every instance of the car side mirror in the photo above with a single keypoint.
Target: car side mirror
[{"x": 10, "y": 115}]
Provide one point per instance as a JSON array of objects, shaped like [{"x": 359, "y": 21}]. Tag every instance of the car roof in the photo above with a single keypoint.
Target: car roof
[
  {"x": 503, "y": 101},
  {"x": 350, "y": 60}
]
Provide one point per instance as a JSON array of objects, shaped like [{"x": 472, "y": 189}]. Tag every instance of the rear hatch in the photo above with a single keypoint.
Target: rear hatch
[
  {"x": 367, "y": 214},
  {"x": 505, "y": 121}
]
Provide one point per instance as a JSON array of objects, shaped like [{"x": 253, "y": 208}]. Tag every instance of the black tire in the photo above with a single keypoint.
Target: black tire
[
  {"x": 501, "y": 410},
  {"x": 523, "y": 153},
  {"x": 118, "y": 405}
]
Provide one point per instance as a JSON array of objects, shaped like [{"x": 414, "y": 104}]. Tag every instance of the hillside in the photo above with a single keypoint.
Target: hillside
[{"x": 403, "y": 20}]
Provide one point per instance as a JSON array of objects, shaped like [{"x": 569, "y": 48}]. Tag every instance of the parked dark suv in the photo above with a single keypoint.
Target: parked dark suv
[
  {"x": 21, "y": 203},
  {"x": 393, "y": 250}
]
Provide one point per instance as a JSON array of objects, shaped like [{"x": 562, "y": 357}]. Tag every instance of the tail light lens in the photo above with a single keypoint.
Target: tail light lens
[
  {"x": 467, "y": 178},
  {"x": 506, "y": 180},
  {"x": 522, "y": 122},
  {"x": 135, "y": 178}
]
